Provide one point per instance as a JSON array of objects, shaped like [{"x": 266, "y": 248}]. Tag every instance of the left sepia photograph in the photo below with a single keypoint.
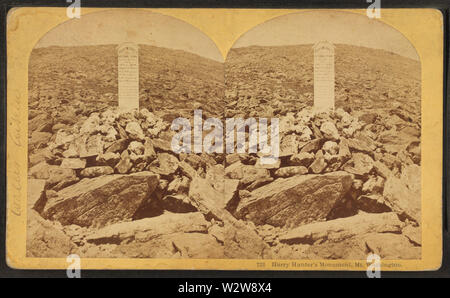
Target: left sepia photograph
[{"x": 103, "y": 181}]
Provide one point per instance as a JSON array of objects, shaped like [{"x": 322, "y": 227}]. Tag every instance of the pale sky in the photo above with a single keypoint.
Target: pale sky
[
  {"x": 333, "y": 26},
  {"x": 129, "y": 25}
]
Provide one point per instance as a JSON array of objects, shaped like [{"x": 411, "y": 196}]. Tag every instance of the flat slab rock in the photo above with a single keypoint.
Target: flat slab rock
[
  {"x": 296, "y": 200},
  {"x": 344, "y": 228},
  {"x": 102, "y": 200},
  {"x": 146, "y": 229},
  {"x": 176, "y": 245},
  {"x": 389, "y": 246}
]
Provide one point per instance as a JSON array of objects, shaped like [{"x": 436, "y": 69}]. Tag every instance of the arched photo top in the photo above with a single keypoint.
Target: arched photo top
[
  {"x": 371, "y": 65},
  {"x": 179, "y": 66},
  {"x": 117, "y": 26},
  {"x": 337, "y": 27}
]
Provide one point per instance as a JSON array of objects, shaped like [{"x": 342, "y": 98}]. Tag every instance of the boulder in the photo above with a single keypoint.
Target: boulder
[
  {"x": 226, "y": 187},
  {"x": 125, "y": 164},
  {"x": 91, "y": 124},
  {"x": 187, "y": 170},
  {"x": 362, "y": 143},
  {"x": 296, "y": 200},
  {"x": 39, "y": 139},
  {"x": 340, "y": 229},
  {"x": 36, "y": 194},
  {"x": 414, "y": 234},
  {"x": 394, "y": 137},
  {"x": 382, "y": 170},
  {"x": 44, "y": 154},
  {"x": 168, "y": 164},
  {"x": 92, "y": 172},
  {"x": 330, "y": 147},
  {"x": 258, "y": 183},
  {"x": 312, "y": 146},
  {"x": 63, "y": 138},
  {"x": 108, "y": 159},
  {"x": 198, "y": 246},
  {"x": 102, "y": 200},
  {"x": 373, "y": 204},
  {"x": 232, "y": 158},
  {"x": 329, "y": 131},
  {"x": 118, "y": 146},
  {"x": 411, "y": 130},
  {"x": 145, "y": 229},
  {"x": 392, "y": 246},
  {"x": 415, "y": 152},
  {"x": 405, "y": 201},
  {"x": 246, "y": 173},
  {"x": 72, "y": 151},
  {"x": 412, "y": 176},
  {"x": 111, "y": 134},
  {"x": 288, "y": 145},
  {"x": 163, "y": 145},
  {"x": 194, "y": 160},
  {"x": 45, "y": 239},
  {"x": 73, "y": 163},
  {"x": 302, "y": 159},
  {"x": 67, "y": 181},
  {"x": 344, "y": 151},
  {"x": 91, "y": 146},
  {"x": 136, "y": 147},
  {"x": 368, "y": 118},
  {"x": 319, "y": 164},
  {"x": 52, "y": 173},
  {"x": 290, "y": 171},
  {"x": 178, "y": 185},
  {"x": 178, "y": 203},
  {"x": 176, "y": 245},
  {"x": 240, "y": 240},
  {"x": 273, "y": 164},
  {"x": 134, "y": 131},
  {"x": 58, "y": 126},
  {"x": 373, "y": 185},
  {"x": 360, "y": 165},
  {"x": 349, "y": 249},
  {"x": 304, "y": 132},
  {"x": 149, "y": 150},
  {"x": 41, "y": 170},
  {"x": 40, "y": 123}
]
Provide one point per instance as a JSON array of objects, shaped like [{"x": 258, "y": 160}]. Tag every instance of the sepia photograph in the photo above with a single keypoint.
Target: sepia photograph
[{"x": 303, "y": 143}]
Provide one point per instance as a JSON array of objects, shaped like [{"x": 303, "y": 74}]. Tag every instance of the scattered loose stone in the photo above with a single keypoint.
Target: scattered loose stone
[
  {"x": 134, "y": 130},
  {"x": 302, "y": 159},
  {"x": 329, "y": 131},
  {"x": 291, "y": 171},
  {"x": 96, "y": 171},
  {"x": 318, "y": 164},
  {"x": 73, "y": 163}
]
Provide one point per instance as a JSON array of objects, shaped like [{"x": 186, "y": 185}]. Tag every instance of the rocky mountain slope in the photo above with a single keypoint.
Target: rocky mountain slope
[
  {"x": 85, "y": 78},
  {"x": 274, "y": 80},
  {"x": 347, "y": 183}
]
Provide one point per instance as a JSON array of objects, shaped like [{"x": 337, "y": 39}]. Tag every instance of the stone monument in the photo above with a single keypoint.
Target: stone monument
[
  {"x": 128, "y": 76},
  {"x": 323, "y": 76}
]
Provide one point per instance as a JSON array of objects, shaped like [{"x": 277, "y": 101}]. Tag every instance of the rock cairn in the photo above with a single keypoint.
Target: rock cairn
[{"x": 347, "y": 183}]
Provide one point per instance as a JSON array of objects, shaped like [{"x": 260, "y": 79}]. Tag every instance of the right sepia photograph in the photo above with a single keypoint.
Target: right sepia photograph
[{"x": 347, "y": 92}]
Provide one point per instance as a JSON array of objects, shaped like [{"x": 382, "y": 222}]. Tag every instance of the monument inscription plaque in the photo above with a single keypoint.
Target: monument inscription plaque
[
  {"x": 128, "y": 76},
  {"x": 323, "y": 76}
]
